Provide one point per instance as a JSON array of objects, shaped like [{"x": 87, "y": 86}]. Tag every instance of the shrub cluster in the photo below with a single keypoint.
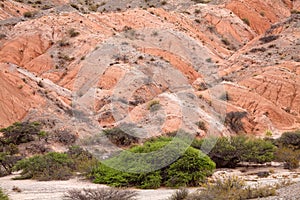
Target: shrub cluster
[
  {"x": 229, "y": 151},
  {"x": 189, "y": 169},
  {"x": 231, "y": 187},
  {"x": 55, "y": 166},
  {"x": 12, "y": 136},
  {"x": 288, "y": 149},
  {"x": 20, "y": 132}
]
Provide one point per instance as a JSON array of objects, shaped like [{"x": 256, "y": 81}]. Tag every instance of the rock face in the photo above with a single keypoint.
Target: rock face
[{"x": 156, "y": 68}]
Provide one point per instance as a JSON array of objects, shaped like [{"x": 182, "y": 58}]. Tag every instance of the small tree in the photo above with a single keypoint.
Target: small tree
[{"x": 233, "y": 120}]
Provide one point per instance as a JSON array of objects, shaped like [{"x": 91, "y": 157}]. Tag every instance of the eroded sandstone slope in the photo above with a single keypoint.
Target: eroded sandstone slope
[{"x": 232, "y": 65}]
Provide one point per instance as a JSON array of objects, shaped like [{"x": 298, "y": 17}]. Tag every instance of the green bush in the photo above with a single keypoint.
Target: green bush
[
  {"x": 100, "y": 193},
  {"x": 3, "y": 196},
  {"x": 189, "y": 169},
  {"x": 20, "y": 132},
  {"x": 51, "y": 166},
  {"x": 229, "y": 151},
  {"x": 289, "y": 156},
  {"x": 83, "y": 161},
  {"x": 290, "y": 139}
]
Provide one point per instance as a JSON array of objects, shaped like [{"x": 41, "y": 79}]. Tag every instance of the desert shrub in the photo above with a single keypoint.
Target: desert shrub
[
  {"x": 232, "y": 188},
  {"x": 20, "y": 132},
  {"x": 29, "y": 14},
  {"x": 269, "y": 38},
  {"x": 119, "y": 137},
  {"x": 246, "y": 21},
  {"x": 100, "y": 193},
  {"x": 290, "y": 139},
  {"x": 83, "y": 161},
  {"x": 7, "y": 162},
  {"x": 64, "y": 136},
  {"x": 259, "y": 151},
  {"x": 3, "y": 196},
  {"x": 180, "y": 194},
  {"x": 153, "y": 105},
  {"x": 201, "y": 1},
  {"x": 73, "y": 33},
  {"x": 229, "y": 151},
  {"x": 233, "y": 120},
  {"x": 201, "y": 125},
  {"x": 225, "y": 41},
  {"x": 190, "y": 168},
  {"x": 289, "y": 156},
  {"x": 51, "y": 166}
]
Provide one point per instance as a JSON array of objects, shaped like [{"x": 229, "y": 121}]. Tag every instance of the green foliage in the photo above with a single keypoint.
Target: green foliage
[
  {"x": 289, "y": 149},
  {"x": 229, "y": 151},
  {"x": 51, "y": 166},
  {"x": 3, "y": 196},
  {"x": 120, "y": 137},
  {"x": 100, "y": 193},
  {"x": 289, "y": 156},
  {"x": 20, "y": 132},
  {"x": 290, "y": 139},
  {"x": 193, "y": 167},
  {"x": 7, "y": 162},
  {"x": 189, "y": 169},
  {"x": 83, "y": 161}
]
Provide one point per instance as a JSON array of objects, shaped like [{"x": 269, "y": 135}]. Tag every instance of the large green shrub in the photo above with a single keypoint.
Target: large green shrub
[
  {"x": 51, "y": 166},
  {"x": 189, "y": 169},
  {"x": 229, "y": 151}
]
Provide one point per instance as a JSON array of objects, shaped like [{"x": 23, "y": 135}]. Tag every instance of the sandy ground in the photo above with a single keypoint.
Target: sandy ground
[{"x": 54, "y": 190}]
